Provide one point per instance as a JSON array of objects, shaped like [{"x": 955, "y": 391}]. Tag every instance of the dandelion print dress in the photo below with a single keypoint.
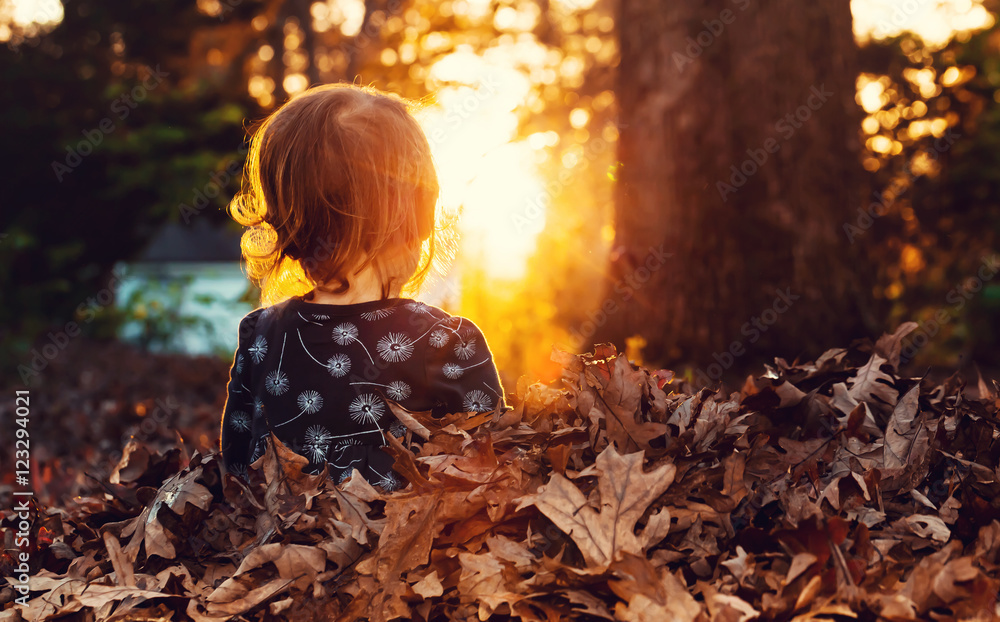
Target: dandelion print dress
[{"x": 319, "y": 375}]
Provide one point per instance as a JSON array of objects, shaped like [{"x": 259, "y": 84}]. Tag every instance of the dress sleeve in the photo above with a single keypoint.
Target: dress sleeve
[
  {"x": 461, "y": 374},
  {"x": 237, "y": 415}
]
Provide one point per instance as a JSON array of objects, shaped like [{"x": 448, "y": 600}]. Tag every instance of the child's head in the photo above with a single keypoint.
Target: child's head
[{"x": 338, "y": 179}]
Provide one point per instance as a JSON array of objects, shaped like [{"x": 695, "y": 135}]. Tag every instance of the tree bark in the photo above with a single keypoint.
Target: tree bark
[{"x": 705, "y": 89}]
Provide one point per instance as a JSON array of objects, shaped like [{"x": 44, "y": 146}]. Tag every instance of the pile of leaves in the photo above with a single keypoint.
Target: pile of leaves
[
  {"x": 833, "y": 489},
  {"x": 93, "y": 397}
]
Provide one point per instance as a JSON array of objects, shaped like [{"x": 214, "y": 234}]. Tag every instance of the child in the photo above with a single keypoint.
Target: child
[{"x": 339, "y": 197}]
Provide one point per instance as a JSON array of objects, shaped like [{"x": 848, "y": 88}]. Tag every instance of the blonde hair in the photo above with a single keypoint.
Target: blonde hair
[{"x": 338, "y": 179}]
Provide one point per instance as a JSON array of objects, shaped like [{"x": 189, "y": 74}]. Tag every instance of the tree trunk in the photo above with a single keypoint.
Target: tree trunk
[{"x": 739, "y": 158}]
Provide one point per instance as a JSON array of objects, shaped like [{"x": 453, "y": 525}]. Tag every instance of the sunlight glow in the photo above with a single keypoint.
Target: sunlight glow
[
  {"x": 935, "y": 21},
  {"x": 347, "y": 15},
  {"x": 25, "y": 12},
  {"x": 485, "y": 171}
]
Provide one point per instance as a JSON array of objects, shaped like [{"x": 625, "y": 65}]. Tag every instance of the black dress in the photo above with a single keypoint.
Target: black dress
[{"x": 319, "y": 375}]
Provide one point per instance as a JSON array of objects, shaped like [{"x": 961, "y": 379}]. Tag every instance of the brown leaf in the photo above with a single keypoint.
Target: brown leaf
[
  {"x": 175, "y": 494},
  {"x": 353, "y": 497},
  {"x": 234, "y": 601},
  {"x": 927, "y": 526},
  {"x": 429, "y": 586},
  {"x": 906, "y": 438},
  {"x": 651, "y": 595},
  {"x": 119, "y": 561},
  {"x": 404, "y": 544},
  {"x": 889, "y": 346},
  {"x": 625, "y": 491},
  {"x": 588, "y": 604},
  {"x": 483, "y": 580},
  {"x": 871, "y": 383},
  {"x": 296, "y": 563}
]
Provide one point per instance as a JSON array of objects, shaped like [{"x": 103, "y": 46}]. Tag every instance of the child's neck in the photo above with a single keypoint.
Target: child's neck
[{"x": 365, "y": 287}]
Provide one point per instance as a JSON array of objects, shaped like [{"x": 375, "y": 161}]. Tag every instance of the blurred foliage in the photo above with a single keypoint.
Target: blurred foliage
[
  {"x": 111, "y": 130},
  {"x": 933, "y": 145},
  {"x": 154, "y": 317},
  {"x": 224, "y": 64}
]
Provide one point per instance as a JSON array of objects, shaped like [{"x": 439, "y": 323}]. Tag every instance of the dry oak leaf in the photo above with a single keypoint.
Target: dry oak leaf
[
  {"x": 483, "y": 581},
  {"x": 235, "y": 599},
  {"x": 99, "y": 595},
  {"x": 412, "y": 522},
  {"x": 587, "y": 603},
  {"x": 618, "y": 401},
  {"x": 866, "y": 385},
  {"x": 296, "y": 562},
  {"x": 651, "y": 594},
  {"x": 429, "y": 586},
  {"x": 890, "y": 346},
  {"x": 626, "y": 492},
  {"x": 927, "y": 526},
  {"x": 353, "y": 497},
  {"x": 175, "y": 494},
  {"x": 726, "y": 607},
  {"x": 906, "y": 438}
]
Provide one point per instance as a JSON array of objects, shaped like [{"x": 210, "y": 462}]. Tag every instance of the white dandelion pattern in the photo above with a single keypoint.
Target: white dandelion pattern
[
  {"x": 317, "y": 442},
  {"x": 438, "y": 338},
  {"x": 366, "y": 408},
  {"x": 466, "y": 347},
  {"x": 377, "y": 314},
  {"x": 240, "y": 421},
  {"x": 389, "y": 482},
  {"x": 346, "y": 473},
  {"x": 347, "y": 442},
  {"x": 338, "y": 365},
  {"x": 239, "y": 469},
  {"x": 397, "y": 428},
  {"x": 394, "y": 347},
  {"x": 239, "y": 363},
  {"x": 310, "y": 402},
  {"x": 320, "y": 316},
  {"x": 398, "y": 390},
  {"x": 307, "y": 320},
  {"x": 418, "y": 307},
  {"x": 477, "y": 401},
  {"x": 258, "y": 349},
  {"x": 276, "y": 383},
  {"x": 345, "y": 333},
  {"x": 454, "y": 372},
  {"x": 258, "y": 407}
]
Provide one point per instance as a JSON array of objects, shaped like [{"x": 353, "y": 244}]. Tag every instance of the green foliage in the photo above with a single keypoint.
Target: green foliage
[{"x": 113, "y": 125}]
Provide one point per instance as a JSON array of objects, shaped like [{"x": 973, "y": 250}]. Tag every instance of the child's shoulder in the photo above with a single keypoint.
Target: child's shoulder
[
  {"x": 396, "y": 314},
  {"x": 252, "y": 320},
  {"x": 437, "y": 315}
]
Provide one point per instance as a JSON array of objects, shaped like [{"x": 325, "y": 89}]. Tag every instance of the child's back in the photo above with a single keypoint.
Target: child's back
[
  {"x": 339, "y": 199},
  {"x": 319, "y": 375}
]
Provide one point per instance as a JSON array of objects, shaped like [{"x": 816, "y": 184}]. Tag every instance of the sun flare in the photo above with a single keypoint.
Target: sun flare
[{"x": 487, "y": 173}]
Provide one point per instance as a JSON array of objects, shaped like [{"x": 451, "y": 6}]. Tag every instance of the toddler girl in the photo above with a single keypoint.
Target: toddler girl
[{"x": 339, "y": 200}]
